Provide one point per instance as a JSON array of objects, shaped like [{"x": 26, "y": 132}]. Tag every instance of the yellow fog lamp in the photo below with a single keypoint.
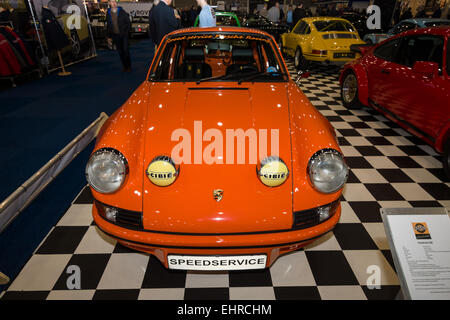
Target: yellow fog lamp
[
  {"x": 162, "y": 171},
  {"x": 272, "y": 171}
]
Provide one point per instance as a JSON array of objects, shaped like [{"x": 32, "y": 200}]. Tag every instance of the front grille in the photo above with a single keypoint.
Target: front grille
[
  {"x": 311, "y": 217},
  {"x": 305, "y": 219},
  {"x": 126, "y": 218}
]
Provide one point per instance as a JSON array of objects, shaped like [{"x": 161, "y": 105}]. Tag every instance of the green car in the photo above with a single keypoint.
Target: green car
[{"x": 224, "y": 19}]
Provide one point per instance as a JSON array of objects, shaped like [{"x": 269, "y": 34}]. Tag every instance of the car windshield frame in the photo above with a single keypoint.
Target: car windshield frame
[
  {"x": 331, "y": 22},
  {"x": 283, "y": 73}
]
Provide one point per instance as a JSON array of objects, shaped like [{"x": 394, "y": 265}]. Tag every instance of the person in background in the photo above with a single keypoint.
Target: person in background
[
  {"x": 163, "y": 20},
  {"x": 118, "y": 24},
  {"x": 207, "y": 16},
  {"x": 274, "y": 13},
  {"x": 438, "y": 12},
  {"x": 4, "y": 14},
  {"x": 177, "y": 14},
  {"x": 396, "y": 14},
  {"x": 185, "y": 17},
  {"x": 333, "y": 11},
  {"x": 282, "y": 15},
  {"x": 408, "y": 14},
  {"x": 299, "y": 13},
  {"x": 151, "y": 27},
  {"x": 446, "y": 11},
  {"x": 289, "y": 16},
  {"x": 192, "y": 16},
  {"x": 264, "y": 11}
]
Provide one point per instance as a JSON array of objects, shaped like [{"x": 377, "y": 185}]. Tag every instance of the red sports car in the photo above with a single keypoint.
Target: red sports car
[{"x": 407, "y": 78}]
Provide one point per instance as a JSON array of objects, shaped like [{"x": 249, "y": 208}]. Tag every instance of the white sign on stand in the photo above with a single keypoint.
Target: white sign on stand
[{"x": 420, "y": 245}]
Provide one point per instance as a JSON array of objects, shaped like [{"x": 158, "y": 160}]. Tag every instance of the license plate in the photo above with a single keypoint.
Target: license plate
[
  {"x": 212, "y": 263},
  {"x": 344, "y": 55}
]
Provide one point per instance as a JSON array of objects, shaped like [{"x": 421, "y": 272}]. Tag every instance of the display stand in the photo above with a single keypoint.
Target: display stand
[
  {"x": 51, "y": 64},
  {"x": 4, "y": 279},
  {"x": 419, "y": 239},
  {"x": 62, "y": 73}
]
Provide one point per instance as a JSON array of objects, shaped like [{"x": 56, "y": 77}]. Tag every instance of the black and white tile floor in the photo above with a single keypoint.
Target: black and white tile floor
[{"x": 389, "y": 168}]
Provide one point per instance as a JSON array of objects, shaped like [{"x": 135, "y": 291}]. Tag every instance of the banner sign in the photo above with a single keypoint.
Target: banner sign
[
  {"x": 136, "y": 9},
  {"x": 74, "y": 42},
  {"x": 420, "y": 244}
]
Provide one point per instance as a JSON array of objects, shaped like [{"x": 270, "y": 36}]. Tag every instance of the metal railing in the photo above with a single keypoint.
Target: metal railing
[{"x": 30, "y": 189}]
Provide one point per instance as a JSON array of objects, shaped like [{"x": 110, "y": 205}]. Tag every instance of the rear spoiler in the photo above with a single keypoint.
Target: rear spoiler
[{"x": 361, "y": 48}]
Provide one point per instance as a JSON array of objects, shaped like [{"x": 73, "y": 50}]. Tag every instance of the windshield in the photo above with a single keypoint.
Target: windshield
[
  {"x": 437, "y": 23},
  {"x": 225, "y": 57},
  {"x": 333, "y": 25},
  {"x": 226, "y": 20},
  {"x": 254, "y": 20}
]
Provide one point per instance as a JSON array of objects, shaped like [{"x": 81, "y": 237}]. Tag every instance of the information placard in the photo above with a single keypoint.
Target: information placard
[{"x": 420, "y": 244}]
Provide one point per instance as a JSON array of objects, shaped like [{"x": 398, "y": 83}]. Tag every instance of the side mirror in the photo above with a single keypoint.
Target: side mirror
[
  {"x": 302, "y": 75},
  {"x": 360, "y": 48},
  {"x": 426, "y": 68}
]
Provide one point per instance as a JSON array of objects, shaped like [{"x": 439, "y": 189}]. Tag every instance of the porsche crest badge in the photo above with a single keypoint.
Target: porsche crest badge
[{"x": 218, "y": 194}]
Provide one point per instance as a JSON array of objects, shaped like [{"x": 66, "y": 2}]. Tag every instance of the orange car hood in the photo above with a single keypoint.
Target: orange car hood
[{"x": 188, "y": 204}]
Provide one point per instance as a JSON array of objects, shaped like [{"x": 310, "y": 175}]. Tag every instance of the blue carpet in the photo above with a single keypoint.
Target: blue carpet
[{"x": 37, "y": 120}]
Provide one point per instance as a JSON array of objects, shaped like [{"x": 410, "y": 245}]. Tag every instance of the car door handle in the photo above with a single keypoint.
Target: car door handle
[{"x": 385, "y": 71}]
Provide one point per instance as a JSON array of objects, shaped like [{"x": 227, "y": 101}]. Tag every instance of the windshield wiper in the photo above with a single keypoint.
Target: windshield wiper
[
  {"x": 259, "y": 73},
  {"x": 222, "y": 77},
  {"x": 225, "y": 76}
]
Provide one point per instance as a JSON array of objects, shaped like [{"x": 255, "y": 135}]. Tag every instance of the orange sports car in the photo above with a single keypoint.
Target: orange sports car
[{"x": 217, "y": 161}]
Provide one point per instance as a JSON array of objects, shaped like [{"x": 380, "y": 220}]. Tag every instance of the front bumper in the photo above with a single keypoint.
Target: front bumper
[{"x": 160, "y": 244}]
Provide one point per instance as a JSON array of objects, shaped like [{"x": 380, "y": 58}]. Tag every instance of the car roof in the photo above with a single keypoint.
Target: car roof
[
  {"x": 443, "y": 31},
  {"x": 424, "y": 20},
  {"x": 219, "y": 29},
  {"x": 313, "y": 19}
]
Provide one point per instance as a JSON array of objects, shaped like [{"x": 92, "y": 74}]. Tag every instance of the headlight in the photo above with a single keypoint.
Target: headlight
[
  {"x": 327, "y": 170},
  {"x": 162, "y": 171},
  {"x": 273, "y": 171},
  {"x": 106, "y": 170}
]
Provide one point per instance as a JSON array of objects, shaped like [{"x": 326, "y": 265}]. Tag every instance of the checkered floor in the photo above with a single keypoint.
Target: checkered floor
[{"x": 389, "y": 168}]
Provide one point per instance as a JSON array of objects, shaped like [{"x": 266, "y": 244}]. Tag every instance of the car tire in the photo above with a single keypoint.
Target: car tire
[
  {"x": 369, "y": 42},
  {"x": 446, "y": 158},
  {"x": 75, "y": 43},
  {"x": 299, "y": 60},
  {"x": 349, "y": 91}
]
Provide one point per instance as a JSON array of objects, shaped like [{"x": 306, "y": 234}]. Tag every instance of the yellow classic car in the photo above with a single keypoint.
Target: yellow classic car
[{"x": 321, "y": 39}]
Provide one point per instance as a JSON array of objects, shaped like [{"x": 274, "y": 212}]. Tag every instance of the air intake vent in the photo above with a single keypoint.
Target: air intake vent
[
  {"x": 306, "y": 219},
  {"x": 129, "y": 219},
  {"x": 339, "y": 36},
  {"x": 121, "y": 217},
  {"x": 312, "y": 217}
]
